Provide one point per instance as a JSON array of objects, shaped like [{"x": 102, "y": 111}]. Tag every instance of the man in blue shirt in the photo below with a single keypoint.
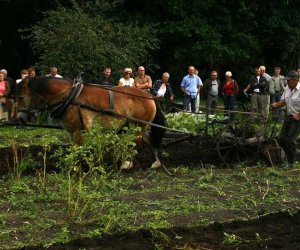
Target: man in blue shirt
[{"x": 190, "y": 86}]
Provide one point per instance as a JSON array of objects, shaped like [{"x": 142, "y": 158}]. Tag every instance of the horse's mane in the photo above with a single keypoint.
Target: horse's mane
[{"x": 40, "y": 84}]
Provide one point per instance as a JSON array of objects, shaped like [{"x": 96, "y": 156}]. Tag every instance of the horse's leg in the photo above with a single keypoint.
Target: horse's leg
[
  {"x": 77, "y": 137},
  {"x": 147, "y": 139},
  {"x": 156, "y": 163}
]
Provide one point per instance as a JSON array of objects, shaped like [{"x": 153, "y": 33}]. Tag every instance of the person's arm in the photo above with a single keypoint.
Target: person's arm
[
  {"x": 263, "y": 82},
  {"x": 146, "y": 85},
  {"x": 155, "y": 88},
  {"x": 149, "y": 83},
  {"x": 201, "y": 84},
  {"x": 7, "y": 89},
  {"x": 139, "y": 85},
  {"x": 247, "y": 88},
  {"x": 236, "y": 87},
  {"x": 206, "y": 87},
  {"x": 199, "y": 87},
  {"x": 120, "y": 83},
  {"x": 184, "y": 90},
  {"x": 170, "y": 91},
  {"x": 182, "y": 87},
  {"x": 136, "y": 82},
  {"x": 278, "y": 104}
]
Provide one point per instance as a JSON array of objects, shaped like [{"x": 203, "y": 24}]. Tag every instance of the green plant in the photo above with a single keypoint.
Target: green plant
[
  {"x": 22, "y": 160},
  {"x": 44, "y": 154},
  {"x": 232, "y": 239},
  {"x": 80, "y": 162},
  {"x": 64, "y": 235}
]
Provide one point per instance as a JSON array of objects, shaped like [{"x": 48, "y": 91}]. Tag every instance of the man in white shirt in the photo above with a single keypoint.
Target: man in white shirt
[{"x": 291, "y": 127}]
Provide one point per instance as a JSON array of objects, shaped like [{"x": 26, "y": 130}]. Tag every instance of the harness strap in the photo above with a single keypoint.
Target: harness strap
[
  {"x": 59, "y": 109},
  {"x": 111, "y": 100},
  {"x": 80, "y": 115}
]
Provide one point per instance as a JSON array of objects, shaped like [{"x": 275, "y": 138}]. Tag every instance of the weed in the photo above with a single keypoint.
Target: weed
[
  {"x": 64, "y": 236},
  {"x": 89, "y": 158},
  {"x": 22, "y": 160},
  {"x": 2, "y": 221},
  {"x": 232, "y": 239}
]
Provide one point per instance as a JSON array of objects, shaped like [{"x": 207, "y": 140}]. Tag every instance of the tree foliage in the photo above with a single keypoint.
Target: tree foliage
[
  {"x": 78, "y": 35},
  {"x": 81, "y": 39}
]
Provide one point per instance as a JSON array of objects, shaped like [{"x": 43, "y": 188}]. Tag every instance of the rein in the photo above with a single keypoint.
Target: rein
[
  {"x": 113, "y": 113},
  {"x": 151, "y": 97}
]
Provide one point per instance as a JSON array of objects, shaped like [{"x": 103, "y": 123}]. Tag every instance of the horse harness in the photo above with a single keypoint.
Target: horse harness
[{"x": 57, "y": 110}]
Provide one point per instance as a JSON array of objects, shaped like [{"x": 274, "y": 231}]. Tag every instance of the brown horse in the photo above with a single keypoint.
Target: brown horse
[{"x": 76, "y": 106}]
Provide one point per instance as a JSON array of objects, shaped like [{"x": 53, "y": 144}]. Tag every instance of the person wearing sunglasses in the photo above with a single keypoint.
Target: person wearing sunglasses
[{"x": 126, "y": 80}]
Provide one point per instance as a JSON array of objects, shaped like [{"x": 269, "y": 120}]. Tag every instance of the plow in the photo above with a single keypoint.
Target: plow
[{"x": 246, "y": 138}]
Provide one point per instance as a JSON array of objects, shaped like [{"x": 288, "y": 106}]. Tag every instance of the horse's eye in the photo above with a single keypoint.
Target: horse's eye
[{"x": 21, "y": 97}]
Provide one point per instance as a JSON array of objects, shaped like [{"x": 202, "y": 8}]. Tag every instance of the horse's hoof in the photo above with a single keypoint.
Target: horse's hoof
[
  {"x": 156, "y": 164},
  {"x": 127, "y": 165}
]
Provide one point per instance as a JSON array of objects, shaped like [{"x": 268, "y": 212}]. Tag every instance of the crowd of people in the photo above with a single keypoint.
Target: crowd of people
[
  {"x": 263, "y": 88},
  {"x": 7, "y": 88},
  {"x": 280, "y": 93}
]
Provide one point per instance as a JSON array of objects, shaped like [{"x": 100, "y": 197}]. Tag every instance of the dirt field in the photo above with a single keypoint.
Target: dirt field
[
  {"x": 193, "y": 203},
  {"x": 274, "y": 231}
]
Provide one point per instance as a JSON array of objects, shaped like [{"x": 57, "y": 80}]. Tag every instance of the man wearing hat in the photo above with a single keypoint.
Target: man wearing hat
[{"x": 291, "y": 127}]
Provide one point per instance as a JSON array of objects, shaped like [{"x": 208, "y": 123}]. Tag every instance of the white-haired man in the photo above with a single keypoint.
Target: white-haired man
[
  {"x": 266, "y": 94},
  {"x": 53, "y": 73}
]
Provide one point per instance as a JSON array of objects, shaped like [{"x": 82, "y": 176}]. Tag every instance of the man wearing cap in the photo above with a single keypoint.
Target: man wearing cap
[{"x": 291, "y": 127}]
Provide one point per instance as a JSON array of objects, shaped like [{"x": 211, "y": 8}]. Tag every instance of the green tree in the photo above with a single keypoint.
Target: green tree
[
  {"x": 86, "y": 38},
  {"x": 226, "y": 35}
]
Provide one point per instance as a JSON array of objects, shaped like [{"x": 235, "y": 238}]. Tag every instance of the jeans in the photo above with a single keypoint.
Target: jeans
[
  {"x": 229, "y": 102},
  {"x": 187, "y": 100}
]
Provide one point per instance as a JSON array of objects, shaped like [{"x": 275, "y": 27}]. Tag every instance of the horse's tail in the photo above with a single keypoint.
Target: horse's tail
[{"x": 157, "y": 133}]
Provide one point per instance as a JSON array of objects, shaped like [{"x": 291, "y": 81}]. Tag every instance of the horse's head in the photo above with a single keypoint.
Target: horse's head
[
  {"x": 27, "y": 94},
  {"x": 24, "y": 94}
]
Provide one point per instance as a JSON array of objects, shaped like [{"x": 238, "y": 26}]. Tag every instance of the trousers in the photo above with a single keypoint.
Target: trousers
[{"x": 288, "y": 135}]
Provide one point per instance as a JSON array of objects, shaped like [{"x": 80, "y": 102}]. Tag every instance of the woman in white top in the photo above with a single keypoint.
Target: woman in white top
[{"x": 126, "y": 80}]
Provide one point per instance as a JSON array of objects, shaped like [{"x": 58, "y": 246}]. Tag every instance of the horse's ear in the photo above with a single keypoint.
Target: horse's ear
[{"x": 26, "y": 81}]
